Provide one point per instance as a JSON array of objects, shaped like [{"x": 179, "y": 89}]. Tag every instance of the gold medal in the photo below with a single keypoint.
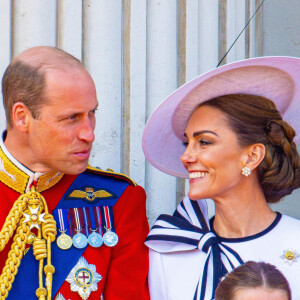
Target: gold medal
[{"x": 64, "y": 241}]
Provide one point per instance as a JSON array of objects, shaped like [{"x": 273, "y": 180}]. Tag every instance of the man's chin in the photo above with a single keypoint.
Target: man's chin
[{"x": 75, "y": 169}]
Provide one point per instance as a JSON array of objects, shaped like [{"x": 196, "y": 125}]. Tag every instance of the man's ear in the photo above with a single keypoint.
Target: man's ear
[
  {"x": 255, "y": 154},
  {"x": 21, "y": 116}
]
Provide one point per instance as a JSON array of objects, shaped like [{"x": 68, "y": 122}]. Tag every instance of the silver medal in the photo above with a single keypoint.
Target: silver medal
[
  {"x": 95, "y": 240},
  {"x": 110, "y": 239},
  {"x": 80, "y": 241}
]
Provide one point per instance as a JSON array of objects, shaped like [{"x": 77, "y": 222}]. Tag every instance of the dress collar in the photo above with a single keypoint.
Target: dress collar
[{"x": 18, "y": 177}]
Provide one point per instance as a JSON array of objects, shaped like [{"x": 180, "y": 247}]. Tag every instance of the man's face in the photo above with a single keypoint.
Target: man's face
[{"x": 61, "y": 138}]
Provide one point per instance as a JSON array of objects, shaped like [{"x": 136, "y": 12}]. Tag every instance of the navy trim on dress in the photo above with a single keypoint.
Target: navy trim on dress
[{"x": 247, "y": 238}]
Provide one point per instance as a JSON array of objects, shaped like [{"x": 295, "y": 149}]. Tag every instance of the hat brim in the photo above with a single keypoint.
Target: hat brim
[{"x": 276, "y": 78}]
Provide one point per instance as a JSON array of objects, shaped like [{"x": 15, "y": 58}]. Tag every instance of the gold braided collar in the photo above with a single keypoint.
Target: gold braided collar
[{"x": 19, "y": 180}]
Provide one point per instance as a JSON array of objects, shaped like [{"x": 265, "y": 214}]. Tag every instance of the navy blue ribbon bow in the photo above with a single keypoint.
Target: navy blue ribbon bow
[{"x": 188, "y": 230}]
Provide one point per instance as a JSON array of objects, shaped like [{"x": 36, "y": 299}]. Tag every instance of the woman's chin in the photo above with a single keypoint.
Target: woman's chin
[{"x": 194, "y": 195}]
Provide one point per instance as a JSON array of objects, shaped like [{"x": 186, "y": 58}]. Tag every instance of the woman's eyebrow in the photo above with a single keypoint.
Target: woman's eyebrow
[{"x": 202, "y": 132}]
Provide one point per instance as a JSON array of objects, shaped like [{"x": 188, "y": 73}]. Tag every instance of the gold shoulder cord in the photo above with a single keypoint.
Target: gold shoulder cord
[{"x": 29, "y": 211}]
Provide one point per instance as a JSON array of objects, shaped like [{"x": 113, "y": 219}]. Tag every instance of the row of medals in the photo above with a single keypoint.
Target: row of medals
[{"x": 80, "y": 240}]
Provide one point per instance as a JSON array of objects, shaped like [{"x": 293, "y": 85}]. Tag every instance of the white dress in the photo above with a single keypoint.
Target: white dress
[{"x": 176, "y": 269}]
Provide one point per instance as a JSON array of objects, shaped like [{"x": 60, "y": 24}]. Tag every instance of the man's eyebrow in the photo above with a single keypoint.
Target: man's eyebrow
[
  {"x": 75, "y": 112},
  {"x": 202, "y": 132}
]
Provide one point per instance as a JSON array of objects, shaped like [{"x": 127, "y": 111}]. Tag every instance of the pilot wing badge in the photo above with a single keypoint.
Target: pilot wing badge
[{"x": 90, "y": 194}]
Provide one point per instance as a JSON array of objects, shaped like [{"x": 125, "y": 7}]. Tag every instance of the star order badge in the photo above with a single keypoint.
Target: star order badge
[
  {"x": 290, "y": 256},
  {"x": 83, "y": 278},
  {"x": 34, "y": 218},
  {"x": 60, "y": 297}
]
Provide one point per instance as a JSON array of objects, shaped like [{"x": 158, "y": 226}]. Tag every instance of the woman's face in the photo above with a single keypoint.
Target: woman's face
[
  {"x": 212, "y": 157},
  {"x": 260, "y": 293}
]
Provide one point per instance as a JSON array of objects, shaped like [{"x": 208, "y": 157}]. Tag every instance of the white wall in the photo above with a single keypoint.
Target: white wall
[{"x": 138, "y": 52}]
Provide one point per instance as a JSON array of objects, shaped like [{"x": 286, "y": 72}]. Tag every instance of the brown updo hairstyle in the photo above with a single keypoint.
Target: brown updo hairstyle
[
  {"x": 255, "y": 119},
  {"x": 252, "y": 275}
]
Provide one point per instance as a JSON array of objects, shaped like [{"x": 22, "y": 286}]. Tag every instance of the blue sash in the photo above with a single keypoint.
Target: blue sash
[
  {"x": 26, "y": 281},
  {"x": 27, "y": 278}
]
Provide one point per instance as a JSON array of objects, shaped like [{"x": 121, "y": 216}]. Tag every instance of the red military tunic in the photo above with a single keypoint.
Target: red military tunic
[{"x": 123, "y": 267}]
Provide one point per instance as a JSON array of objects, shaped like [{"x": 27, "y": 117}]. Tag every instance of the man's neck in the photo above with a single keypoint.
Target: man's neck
[{"x": 16, "y": 175}]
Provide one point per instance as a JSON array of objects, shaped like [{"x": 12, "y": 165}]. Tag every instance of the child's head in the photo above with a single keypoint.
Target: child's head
[{"x": 254, "y": 280}]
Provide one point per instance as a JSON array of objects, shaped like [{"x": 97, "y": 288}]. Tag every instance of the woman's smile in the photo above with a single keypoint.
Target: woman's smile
[{"x": 196, "y": 175}]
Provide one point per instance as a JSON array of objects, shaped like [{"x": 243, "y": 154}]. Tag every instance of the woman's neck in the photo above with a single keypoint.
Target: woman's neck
[{"x": 242, "y": 216}]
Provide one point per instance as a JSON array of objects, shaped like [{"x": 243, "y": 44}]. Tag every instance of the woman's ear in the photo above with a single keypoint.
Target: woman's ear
[
  {"x": 255, "y": 154},
  {"x": 20, "y": 116}
]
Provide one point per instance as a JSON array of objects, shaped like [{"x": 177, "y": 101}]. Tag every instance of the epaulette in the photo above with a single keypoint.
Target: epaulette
[{"x": 111, "y": 173}]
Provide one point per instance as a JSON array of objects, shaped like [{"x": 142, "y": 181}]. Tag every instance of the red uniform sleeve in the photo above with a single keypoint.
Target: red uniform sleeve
[{"x": 128, "y": 269}]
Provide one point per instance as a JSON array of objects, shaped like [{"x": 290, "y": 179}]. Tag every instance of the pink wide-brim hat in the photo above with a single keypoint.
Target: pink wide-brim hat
[{"x": 276, "y": 78}]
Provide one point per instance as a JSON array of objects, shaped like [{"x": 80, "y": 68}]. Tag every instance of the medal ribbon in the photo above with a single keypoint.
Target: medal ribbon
[
  {"x": 87, "y": 224},
  {"x": 92, "y": 213},
  {"x": 99, "y": 220},
  {"x": 61, "y": 215},
  {"x": 70, "y": 222},
  {"x": 77, "y": 219},
  {"x": 108, "y": 217},
  {"x": 61, "y": 220}
]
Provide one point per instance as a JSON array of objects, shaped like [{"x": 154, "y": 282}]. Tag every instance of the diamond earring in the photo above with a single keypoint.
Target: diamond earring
[{"x": 246, "y": 171}]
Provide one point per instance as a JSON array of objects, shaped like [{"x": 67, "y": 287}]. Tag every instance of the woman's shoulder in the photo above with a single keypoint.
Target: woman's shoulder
[
  {"x": 289, "y": 224},
  {"x": 289, "y": 219}
]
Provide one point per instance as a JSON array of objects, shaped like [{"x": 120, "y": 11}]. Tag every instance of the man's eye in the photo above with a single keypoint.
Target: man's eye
[{"x": 92, "y": 112}]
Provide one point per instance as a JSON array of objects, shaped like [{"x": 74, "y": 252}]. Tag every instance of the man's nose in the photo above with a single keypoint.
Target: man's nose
[{"x": 86, "y": 132}]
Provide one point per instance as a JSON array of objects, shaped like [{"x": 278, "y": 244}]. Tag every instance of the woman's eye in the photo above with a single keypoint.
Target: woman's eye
[
  {"x": 185, "y": 143},
  {"x": 204, "y": 142}
]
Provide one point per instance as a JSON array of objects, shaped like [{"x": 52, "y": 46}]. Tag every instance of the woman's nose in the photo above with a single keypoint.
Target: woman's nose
[{"x": 189, "y": 156}]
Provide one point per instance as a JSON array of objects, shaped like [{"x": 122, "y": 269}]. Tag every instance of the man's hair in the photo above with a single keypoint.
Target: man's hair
[
  {"x": 252, "y": 275},
  {"x": 24, "y": 80}
]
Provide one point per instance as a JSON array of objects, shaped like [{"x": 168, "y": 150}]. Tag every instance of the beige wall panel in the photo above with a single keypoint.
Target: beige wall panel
[
  {"x": 236, "y": 20},
  {"x": 136, "y": 63},
  {"x": 161, "y": 81},
  {"x": 102, "y": 55},
  {"x": 208, "y": 16},
  {"x": 34, "y": 24},
  {"x": 69, "y": 26},
  {"x": 5, "y": 45}
]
